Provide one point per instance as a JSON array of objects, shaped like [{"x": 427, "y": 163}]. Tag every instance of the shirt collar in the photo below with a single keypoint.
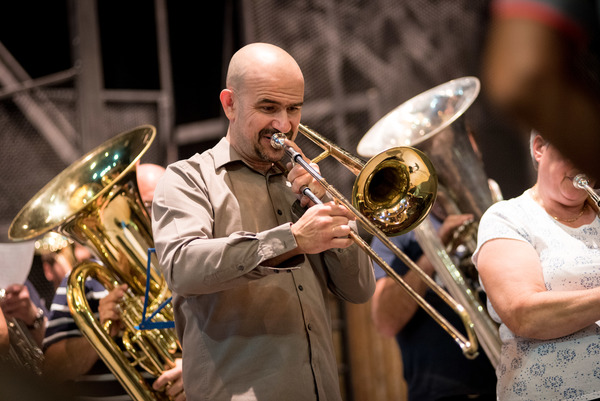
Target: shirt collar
[{"x": 224, "y": 154}]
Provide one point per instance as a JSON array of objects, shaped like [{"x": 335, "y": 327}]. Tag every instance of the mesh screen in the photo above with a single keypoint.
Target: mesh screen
[
  {"x": 28, "y": 162},
  {"x": 363, "y": 58}
]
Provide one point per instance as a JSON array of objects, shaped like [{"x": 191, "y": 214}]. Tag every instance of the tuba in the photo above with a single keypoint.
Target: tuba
[
  {"x": 96, "y": 202},
  {"x": 433, "y": 122}
]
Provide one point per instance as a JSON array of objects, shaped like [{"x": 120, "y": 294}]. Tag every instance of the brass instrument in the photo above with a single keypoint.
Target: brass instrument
[
  {"x": 433, "y": 122},
  {"x": 581, "y": 181},
  {"x": 23, "y": 352},
  {"x": 392, "y": 194},
  {"x": 96, "y": 202}
]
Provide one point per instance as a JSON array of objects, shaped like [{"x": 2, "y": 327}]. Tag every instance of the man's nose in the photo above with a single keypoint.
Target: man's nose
[{"x": 282, "y": 122}]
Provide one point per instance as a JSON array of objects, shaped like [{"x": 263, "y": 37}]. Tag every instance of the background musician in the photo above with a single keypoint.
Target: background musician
[
  {"x": 23, "y": 310},
  {"x": 434, "y": 366},
  {"x": 539, "y": 263}
]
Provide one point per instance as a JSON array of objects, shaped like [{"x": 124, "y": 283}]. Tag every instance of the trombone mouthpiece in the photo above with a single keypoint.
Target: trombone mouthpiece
[
  {"x": 580, "y": 181},
  {"x": 278, "y": 140}
]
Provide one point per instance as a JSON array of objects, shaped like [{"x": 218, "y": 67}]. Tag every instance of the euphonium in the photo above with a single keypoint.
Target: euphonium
[
  {"x": 96, "y": 202},
  {"x": 433, "y": 123}
]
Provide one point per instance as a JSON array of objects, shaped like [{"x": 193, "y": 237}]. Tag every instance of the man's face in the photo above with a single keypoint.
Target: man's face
[{"x": 263, "y": 107}]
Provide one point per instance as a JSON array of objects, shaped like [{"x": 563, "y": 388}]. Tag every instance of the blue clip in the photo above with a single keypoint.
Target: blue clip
[{"x": 147, "y": 323}]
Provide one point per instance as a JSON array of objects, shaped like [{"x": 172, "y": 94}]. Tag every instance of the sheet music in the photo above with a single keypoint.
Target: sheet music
[{"x": 15, "y": 262}]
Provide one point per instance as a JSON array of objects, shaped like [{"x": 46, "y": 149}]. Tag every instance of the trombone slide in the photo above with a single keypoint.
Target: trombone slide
[{"x": 469, "y": 344}]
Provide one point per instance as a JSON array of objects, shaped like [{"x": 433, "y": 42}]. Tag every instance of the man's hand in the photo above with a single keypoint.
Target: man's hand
[
  {"x": 173, "y": 380},
  {"x": 323, "y": 227},
  {"x": 109, "y": 308},
  {"x": 17, "y": 303},
  {"x": 300, "y": 178}
]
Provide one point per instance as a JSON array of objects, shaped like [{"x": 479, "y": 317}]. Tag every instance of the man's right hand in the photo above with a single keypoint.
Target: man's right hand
[{"x": 323, "y": 227}]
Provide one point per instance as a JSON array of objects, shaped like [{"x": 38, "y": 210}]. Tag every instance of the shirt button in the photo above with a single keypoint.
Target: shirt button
[
  {"x": 300, "y": 288},
  {"x": 279, "y": 212},
  {"x": 240, "y": 267},
  {"x": 309, "y": 326}
]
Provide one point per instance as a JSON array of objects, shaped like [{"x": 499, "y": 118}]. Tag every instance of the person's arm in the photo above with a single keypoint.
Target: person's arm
[
  {"x": 72, "y": 357},
  {"x": 19, "y": 305},
  {"x": 392, "y": 307},
  {"x": 68, "y": 359},
  {"x": 511, "y": 274}
]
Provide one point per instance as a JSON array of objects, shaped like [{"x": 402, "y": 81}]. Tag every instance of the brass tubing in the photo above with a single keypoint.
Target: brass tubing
[{"x": 469, "y": 344}]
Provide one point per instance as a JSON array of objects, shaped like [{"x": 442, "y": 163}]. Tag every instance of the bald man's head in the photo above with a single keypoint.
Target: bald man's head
[
  {"x": 257, "y": 58},
  {"x": 148, "y": 175}
]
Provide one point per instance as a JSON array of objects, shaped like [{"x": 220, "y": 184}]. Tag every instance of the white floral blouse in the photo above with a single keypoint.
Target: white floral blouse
[{"x": 563, "y": 368}]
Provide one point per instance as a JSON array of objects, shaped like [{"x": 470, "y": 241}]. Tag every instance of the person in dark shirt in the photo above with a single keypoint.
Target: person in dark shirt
[{"x": 433, "y": 364}]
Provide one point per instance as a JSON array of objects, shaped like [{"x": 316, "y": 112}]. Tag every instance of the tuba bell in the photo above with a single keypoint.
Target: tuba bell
[
  {"x": 433, "y": 122},
  {"x": 96, "y": 202}
]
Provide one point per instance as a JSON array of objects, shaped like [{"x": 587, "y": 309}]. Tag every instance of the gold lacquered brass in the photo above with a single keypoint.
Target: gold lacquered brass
[
  {"x": 96, "y": 202},
  {"x": 434, "y": 122},
  {"x": 393, "y": 192}
]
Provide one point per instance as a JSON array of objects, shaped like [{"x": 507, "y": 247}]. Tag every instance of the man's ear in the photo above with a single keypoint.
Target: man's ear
[{"x": 227, "y": 101}]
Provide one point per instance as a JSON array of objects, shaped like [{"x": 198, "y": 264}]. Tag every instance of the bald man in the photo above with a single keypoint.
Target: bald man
[
  {"x": 148, "y": 175},
  {"x": 250, "y": 261}
]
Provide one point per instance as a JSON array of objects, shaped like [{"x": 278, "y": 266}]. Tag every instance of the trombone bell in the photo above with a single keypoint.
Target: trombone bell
[
  {"x": 396, "y": 189},
  {"x": 393, "y": 192}
]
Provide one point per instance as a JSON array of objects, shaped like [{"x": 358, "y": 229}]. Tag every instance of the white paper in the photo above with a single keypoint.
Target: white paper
[{"x": 15, "y": 262}]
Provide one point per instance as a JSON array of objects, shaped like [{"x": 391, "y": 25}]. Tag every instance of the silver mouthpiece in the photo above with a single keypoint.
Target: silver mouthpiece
[
  {"x": 278, "y": 140},
  {"x": 581, "y": 181}
]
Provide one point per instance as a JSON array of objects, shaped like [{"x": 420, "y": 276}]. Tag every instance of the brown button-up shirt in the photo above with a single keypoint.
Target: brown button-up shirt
[{"x": 248, "y": 331}]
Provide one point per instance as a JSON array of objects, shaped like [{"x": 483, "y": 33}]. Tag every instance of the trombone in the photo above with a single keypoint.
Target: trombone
[{"x": 393, "y": 192}]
